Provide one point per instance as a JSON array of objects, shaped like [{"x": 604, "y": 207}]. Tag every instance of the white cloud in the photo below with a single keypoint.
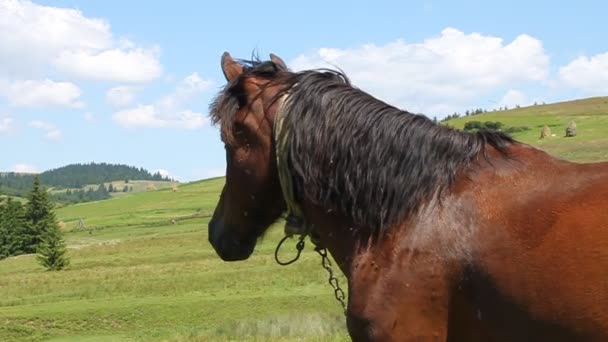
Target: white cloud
[
  {"x": 120, "y": 97},
  {"x": 162, "y": 172},
  {"x": 6, "y": 124},
  {"x": 51, "y": 131},
  {"x": 41, "y": 93},
  {"x": 150, "y": 116},
  {"x": 212, "y": 173},
  {"x": 514, "y": 98},
  {"x": 42, "y": 125},
  {"x": 36, "y": 39},
  {"x": 169, "y": 110},
  {"x": 135, "y": 65},
  {"x": 89, "y": 117},
  {"x": 24, "y": 168},
  {"x": 54, "y": 134},
  {"x": 439, "y": 74},
  {"x": 186, "y": 90},
  {"x": 587, "y": 73}
]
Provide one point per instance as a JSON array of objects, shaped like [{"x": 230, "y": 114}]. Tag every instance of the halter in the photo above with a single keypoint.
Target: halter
[{"x": 295, "y": 223}]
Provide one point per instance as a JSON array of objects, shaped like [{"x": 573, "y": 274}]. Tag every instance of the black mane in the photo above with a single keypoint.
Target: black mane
[{"x": 352, "y": 153}]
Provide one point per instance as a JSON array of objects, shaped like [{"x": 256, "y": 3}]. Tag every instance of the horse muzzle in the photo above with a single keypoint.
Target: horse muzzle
[{"x": 227, "y": 247}]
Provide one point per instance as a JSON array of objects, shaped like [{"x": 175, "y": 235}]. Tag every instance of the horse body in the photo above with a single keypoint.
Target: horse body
[
  {"x": 442, "y": 235},
  {"x": 471, "y": 270}
]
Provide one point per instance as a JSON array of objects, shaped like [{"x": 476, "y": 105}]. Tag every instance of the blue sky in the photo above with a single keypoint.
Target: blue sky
[{"x": 130, "y": 82}]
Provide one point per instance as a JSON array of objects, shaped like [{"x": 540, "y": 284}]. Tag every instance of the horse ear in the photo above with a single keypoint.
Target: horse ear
[
  {"x": 278, "y": 61},
  {"x": 230, "y": 67}
]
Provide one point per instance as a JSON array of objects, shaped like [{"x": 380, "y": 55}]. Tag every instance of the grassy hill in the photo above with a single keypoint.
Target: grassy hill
[
  {"x": 590, "y": 116},
  {"x": 136, "y": 275},
  {"x": 77, "y": 177},
  {"x": 133, "y": 185}
]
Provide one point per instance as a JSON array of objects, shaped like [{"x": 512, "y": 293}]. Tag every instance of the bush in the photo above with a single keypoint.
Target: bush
[
  {"x": 516, "y": 129},
  {"x": 495, "y": 126},
  {"x": 473, "y": 125},
  {"x": 478, "y": 125}
]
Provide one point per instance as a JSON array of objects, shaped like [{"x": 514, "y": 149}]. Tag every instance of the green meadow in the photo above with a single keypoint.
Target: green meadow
[{"x": 142, "y": 269}]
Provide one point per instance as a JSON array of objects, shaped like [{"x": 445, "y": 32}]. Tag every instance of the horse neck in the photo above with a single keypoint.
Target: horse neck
[{"x": 336, "y": 233}]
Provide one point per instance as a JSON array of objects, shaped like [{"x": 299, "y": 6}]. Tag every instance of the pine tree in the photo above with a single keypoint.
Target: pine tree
[
  {"x": 52, "y": 251},
  {"x": 39, "y": 212},
  {"x": 12, "y": 226}
]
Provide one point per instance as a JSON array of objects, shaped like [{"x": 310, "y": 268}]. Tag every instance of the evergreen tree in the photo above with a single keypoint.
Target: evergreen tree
[
  {"x": 52, "y": 251},
  {"x": 102, "y": 192},
  {"x": 39, "y": 212},
  {"x": 110, "y": 188},
  {"x": 12, "y": 226}
]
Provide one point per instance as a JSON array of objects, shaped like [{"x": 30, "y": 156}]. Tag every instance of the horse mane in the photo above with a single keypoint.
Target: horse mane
[{"x": 355, "y": 154}]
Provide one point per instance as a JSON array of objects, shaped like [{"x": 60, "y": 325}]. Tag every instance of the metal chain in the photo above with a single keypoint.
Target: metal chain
[
  {"x": 333, "y": 281},
  {"x": 325, "y": 262},
  {"x": 299, "y": 248}
]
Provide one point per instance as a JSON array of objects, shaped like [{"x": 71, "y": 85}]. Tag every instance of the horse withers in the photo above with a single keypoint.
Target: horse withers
[{"x": 441, "y": 234}]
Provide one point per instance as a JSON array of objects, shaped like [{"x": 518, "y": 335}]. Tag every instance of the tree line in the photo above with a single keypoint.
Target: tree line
[
  {"x": 81, "y": 195},
  {"x": 32, "y": 228},
  {"x": 76, "y": 176},
  {"x": 79, "y": 175}
]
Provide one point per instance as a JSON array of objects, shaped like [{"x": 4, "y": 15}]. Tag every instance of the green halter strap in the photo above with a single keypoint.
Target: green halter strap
[{"x": 295, "y": 223}]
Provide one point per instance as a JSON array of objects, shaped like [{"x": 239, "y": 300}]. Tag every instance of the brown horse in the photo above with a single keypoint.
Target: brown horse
[{"x": 442, "y": 234}]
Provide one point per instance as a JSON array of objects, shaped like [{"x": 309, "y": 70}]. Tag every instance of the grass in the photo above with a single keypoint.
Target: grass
[
  {"x": 135, "y": 276},
  {"x": 135, "y": 185}
]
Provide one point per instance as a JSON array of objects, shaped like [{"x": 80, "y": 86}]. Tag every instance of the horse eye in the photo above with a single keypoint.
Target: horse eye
[{"x": 242, "y": 100}]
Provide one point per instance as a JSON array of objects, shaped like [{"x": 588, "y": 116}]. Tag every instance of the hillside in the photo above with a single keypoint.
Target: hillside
[
  {"x": 142, "y": 269},
  {"x": 82, "y": 178},
  {"x": 78, "y": 175},
  {"x": 590, "y": 116}
]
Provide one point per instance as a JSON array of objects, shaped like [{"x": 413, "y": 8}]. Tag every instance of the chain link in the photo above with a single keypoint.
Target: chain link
[
  {"x": 299, "y": 248},
  {"x": 333, "y": 281}
]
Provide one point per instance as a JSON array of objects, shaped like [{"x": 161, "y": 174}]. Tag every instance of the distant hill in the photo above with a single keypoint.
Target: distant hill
[
  {"x": 78, "y": 175},
  {"x": 590, "y": 116},
  {"x": 75, "y": 176}
]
